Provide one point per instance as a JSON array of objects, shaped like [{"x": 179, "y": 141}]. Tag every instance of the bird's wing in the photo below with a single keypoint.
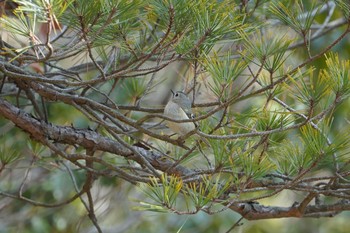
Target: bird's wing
[{"x": 190, "y": 115}]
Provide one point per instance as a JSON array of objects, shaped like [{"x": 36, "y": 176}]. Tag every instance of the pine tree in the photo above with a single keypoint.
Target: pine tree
[{"x": 83, "y": 84}]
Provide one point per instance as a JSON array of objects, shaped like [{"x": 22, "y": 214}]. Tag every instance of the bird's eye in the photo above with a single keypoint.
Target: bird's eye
[{"x": 177, "y": 94}]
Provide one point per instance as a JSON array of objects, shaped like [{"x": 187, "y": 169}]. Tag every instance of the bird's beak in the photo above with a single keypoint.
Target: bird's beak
[{"x": 172, "y": 92}]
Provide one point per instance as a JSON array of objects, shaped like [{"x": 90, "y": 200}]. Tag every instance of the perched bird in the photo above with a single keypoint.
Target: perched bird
[{"x": 179, "y": 108}]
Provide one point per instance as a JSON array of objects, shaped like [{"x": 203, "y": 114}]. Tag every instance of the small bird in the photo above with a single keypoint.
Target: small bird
[{"x": 179, "y": 108}]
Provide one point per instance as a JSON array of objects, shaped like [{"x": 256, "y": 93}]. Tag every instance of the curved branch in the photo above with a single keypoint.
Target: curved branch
[
  {"x": 42, "y": 131},
  {"x": 255, "y": 211}
]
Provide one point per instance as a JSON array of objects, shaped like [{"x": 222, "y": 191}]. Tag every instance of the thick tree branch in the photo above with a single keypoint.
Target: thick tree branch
[
  {"x": 255, "y": 211},
  {"x": 42, "y": 131}
]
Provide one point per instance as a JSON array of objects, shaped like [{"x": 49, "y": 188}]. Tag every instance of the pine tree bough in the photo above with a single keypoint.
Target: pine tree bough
[
  {"x": 86, "y": 138},
  {"x": 268, "y": 94},
  {"x": 42, "y": 131}
]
